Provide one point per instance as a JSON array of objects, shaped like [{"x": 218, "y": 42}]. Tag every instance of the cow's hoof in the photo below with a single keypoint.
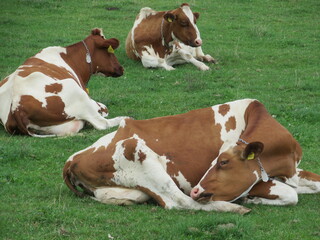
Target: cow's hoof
[
  {"x": 243, "y": 210},
  {"x": 204, "y": 67}
]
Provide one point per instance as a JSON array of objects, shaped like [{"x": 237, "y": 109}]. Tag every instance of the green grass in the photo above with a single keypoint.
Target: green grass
[{"x": 267, "y": 49}]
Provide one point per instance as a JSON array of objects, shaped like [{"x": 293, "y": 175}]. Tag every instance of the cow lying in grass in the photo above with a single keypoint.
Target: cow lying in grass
[
  {"x": 164, "y": 39},
  {"x": 47, "y": 96},
  {"x": 217, "y": 155}
]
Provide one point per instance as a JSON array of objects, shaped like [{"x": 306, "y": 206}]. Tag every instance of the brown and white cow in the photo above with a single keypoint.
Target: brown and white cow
[
  {"x": 47, "y": 95},
  {"x": 165, "y": 158},
  {"x": 164, "y": 39}
]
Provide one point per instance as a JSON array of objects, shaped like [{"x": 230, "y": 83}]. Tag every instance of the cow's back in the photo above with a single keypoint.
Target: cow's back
[
  {"x": 146, "y": 31},
  {"x": 281, "y": 150}
]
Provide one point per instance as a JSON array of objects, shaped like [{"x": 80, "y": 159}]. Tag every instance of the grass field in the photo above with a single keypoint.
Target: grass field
[{"x": 267, "y": 49}]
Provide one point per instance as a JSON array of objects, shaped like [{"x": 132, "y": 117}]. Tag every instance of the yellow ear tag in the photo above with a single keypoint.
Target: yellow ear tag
[
  {"x": 110, "y": 49},
  {"x": 250, "y": 156},
  {"x": 169, "y": 20},
  {"x": 87, "y": 89}
]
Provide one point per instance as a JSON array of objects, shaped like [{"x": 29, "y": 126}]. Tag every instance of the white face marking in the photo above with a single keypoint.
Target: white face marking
[{"x": 187, "y": 11}]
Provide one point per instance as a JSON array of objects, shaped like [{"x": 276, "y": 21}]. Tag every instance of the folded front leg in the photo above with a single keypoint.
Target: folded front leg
[{"x": 272, "y": 192}]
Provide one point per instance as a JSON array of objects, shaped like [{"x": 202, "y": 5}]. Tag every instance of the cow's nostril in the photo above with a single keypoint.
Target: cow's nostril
[
  {"x": 198, "y": 42},
  {"x": 194, "y": 193}
]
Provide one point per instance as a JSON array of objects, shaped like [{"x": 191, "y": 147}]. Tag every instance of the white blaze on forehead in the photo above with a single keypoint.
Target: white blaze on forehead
[{"x": 187, "y": 11}]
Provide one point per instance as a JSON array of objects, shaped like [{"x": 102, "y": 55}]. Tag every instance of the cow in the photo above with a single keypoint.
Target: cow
[
  {"x": 165, "y": 158},
  {"x": 47, "y": 94},
  {"x": 163, "y": 39}
]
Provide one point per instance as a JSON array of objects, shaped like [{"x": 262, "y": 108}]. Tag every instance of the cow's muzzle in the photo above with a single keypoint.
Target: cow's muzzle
[
  {"x": 204, "y": 197},
  {"x": 118, "y": 72}
]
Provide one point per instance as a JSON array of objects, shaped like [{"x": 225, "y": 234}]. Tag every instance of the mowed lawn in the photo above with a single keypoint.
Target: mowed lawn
[{"x": 267, "y": 49}]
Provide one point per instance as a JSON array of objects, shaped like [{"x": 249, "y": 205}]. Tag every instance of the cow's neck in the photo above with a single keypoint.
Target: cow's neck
[
  {"x": 77, "y": 58},
  {"x": 166, "y": 33}
]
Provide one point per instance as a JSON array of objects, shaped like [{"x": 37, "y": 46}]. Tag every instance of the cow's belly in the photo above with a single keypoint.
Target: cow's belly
[{"x": 68, "y": 128}]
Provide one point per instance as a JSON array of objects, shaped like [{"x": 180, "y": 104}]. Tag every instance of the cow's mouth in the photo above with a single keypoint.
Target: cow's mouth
[{"x": 204, "y": 197}]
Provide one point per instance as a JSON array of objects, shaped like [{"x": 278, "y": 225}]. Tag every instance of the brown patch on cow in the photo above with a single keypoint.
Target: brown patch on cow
[
  {"x": 142, "y": 156},
  {"x": 153, "y": 195},
  {"x": 94, "y": 167},
  {"x": 53, "y": 88},
  {"x": 262, "y": 189},
  {"x": 231, "y": 124},
  {"x": 224, "y": 109},
  {"x": 32, "y": 65},
  {"x": 52, "y": 114},
  {"x": 4, "y": 81},
  {"x": 309, "y": 176},
  {"x": 129, "y": 146}
]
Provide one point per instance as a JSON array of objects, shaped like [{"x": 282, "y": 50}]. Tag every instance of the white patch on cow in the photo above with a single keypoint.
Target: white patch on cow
[
  {"x": 64, "y": 129},
  {"x": 144, "y": 13},
  {"x": 122, "y": 123},
  {"x": 303, "y": 185},
  {"x": 229, "y": 138},
  {"x": 237, "y": 110},
  {"x": 103, "y": 141},
  {"x": 119, "y": 196},
  {"x": 52, "y": 55},
  {"x": 6, "y": 98},
  {"x": 286, "y": 195},
  {"x": 151, "y": 59},
  {"x": 187, "y": 11},
  {"x": 183, "y": 183}
]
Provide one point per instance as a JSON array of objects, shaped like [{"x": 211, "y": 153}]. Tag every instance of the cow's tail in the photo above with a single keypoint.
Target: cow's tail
[{"x": 67, "y": 179}]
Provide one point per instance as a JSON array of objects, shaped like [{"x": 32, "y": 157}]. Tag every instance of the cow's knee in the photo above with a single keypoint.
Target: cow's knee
[{"x": 278, "y": 194}]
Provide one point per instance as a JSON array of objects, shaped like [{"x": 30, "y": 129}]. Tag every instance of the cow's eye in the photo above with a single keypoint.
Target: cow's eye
[
  {"x": 184, "y": 24},
  {"x": 223, "y": 163}
]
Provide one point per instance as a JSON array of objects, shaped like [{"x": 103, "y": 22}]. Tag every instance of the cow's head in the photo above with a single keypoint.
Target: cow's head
[
  {"x": 103, "y": 58},
  {"x": 232, "y": 174},
  {"x": 183, "y": 25}
]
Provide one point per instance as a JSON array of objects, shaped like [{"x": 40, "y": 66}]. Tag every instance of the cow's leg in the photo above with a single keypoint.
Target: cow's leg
[
  {"x": 272, "y": 192},
  {"x": 186, "y": 56},
  {"x": 305, "y": 182},
  {"x": 150, "y": 61},
  {"x": 137, "y": 166},
  {"x": 84, "y": 108},
  {"x": 204, "y": 57},
  {"x": 119, "y": 196}
]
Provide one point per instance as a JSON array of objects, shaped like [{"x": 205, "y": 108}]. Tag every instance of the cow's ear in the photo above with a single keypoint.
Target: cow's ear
[
  {"x": 252, "y": 151},
  {"x": 196, "y": 15},
  {"x": 111, "y": 44},
  {"x": 97, "y": 31},
  {"x": 169, "y": 17}
]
